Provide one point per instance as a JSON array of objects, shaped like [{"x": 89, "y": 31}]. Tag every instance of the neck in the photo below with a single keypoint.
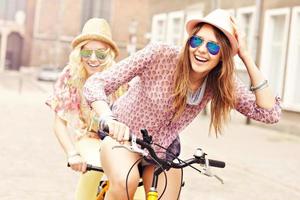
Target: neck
[{"x": 196, "y": 80}]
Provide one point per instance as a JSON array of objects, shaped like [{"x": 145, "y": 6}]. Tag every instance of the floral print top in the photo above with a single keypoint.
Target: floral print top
[
  {"x": 69, "y": 104},
  {"x": 148, "y": 102}
]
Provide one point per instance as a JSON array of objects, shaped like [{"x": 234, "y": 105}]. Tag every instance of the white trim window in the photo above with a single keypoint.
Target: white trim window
[
  {"x": 291, "y": 93},
  {"x": 231, "y": 12},
  {"x": 274, "y": 46},
  {"x": 158, "y": 29},
  {"x": 246, "y": 22},
  {"x": 175, "y": 27},
  {"x": 193, "y": 12}
]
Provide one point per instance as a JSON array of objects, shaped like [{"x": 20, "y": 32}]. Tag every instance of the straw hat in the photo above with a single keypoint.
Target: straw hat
[
  {"x": 221, "y": 20},
  {"x": 96, "y": 29}
]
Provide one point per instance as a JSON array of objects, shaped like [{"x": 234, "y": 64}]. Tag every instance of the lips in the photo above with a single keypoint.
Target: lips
[
  {"x": 93, "y": 65},
  {"x": 200, "y": 59}
]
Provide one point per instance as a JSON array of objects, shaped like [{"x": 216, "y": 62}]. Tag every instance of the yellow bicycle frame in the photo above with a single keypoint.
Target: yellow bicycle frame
[{"x": 152, "y": 195}]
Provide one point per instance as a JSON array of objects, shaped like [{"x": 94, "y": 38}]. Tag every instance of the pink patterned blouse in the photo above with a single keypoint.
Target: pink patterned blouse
[{"x": 148, "y": 102}]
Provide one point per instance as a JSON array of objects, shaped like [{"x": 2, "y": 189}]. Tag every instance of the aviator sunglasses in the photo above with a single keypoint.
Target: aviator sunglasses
[
  {"x": 100, "y": 54},
  {"x": 212, "y": 47}
]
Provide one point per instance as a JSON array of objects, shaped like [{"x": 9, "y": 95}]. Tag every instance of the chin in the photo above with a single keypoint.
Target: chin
[{"x": 199, "y": 69}]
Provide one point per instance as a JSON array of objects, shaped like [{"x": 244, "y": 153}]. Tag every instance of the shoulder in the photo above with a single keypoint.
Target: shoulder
[
  {"x": 64, "y": 77},
  {"x": 161, "y": 49}
]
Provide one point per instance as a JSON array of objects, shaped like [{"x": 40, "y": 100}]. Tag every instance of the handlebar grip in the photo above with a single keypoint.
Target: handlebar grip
[
  {"x": 90, "y": 167},
  {"x": 93, "y": 168},
  {"x": 104, "y": 133},
  {"x": 216, "y": 163}
]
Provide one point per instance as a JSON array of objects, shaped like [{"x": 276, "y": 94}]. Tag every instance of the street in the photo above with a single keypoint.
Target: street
[{"x": 261, "y": 164}]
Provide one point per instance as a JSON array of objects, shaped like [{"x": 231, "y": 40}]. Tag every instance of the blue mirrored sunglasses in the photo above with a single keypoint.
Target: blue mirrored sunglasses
[{"x": 212, "y": 47}]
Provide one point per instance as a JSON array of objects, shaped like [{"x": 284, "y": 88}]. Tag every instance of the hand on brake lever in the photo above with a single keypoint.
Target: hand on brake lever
[
  {"x": 117, "y": 130},
  {"x": 133, "y": 147}
]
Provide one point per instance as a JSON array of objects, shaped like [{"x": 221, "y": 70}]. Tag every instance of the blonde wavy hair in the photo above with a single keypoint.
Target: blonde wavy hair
[
  {"x": 79, "y": 76},
  {"x": 220, "y": 80}
]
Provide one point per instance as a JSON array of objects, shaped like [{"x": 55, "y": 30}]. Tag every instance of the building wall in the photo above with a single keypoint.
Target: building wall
[
  {"x": 268, "y": 4},
  {"x": 56, "y": 23},
  {"x": 51, "y": 25},
  {"x": 28, "y": 36},
  {"x": 261, "y": 41},
  {"x": 130, "y": 19},
  {"x": 12, "y": 30},
  {"x": 158, "y": 6},
  {"x": 236, "y": 4}
]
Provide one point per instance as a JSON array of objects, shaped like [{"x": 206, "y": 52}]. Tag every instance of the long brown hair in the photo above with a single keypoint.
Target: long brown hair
[{"x": 220, "y": 81}]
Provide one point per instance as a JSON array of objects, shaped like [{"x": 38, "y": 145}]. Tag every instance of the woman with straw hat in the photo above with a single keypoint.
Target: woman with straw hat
[
  {"x": 174, "y": 87},
  {"x": 75, "y": 124}
]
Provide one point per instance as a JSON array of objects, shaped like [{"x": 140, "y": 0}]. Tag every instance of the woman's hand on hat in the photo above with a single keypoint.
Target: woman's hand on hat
[{"x": 240, "y": 37}]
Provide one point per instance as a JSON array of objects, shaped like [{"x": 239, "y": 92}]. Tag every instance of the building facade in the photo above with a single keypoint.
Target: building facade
[
  {"x": 12, "y": 33},
  {"x": 272, "y": 29}
]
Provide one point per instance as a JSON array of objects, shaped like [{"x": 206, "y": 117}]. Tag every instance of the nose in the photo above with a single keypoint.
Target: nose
[
  {"x": 202, "y": 48},
  {"x": 93, "y": 56}
]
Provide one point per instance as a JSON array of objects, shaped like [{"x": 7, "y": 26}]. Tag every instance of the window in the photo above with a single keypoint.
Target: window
[
  {"x": 193, "y": 12},
  {"x": 245, "y": 18},
  {"x": 274, "y": 45},
  {"x": 170, "y": 27},
  {"x": 159, "y": 28},
  {"x": 96, "y": 8},
  {"x": 291, "y": 93},
  {"x": 9, "y": 8},
  {"x": 246, "y": 22},
  {"x": 175, "y": 27}
]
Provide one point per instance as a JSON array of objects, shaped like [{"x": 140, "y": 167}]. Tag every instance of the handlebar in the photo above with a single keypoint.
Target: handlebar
[
  {"x": 90, "y": 167},
  {"x": 146, "y": 143}
]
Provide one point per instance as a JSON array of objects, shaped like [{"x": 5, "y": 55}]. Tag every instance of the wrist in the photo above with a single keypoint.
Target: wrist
[
  {"x": 73, "y": 157},
  {"x": 104, "y": 118},
  {"x": 244, "y": 54},
  {"x": 260, "y": 86},
  {"x": 72, "y": 153}
]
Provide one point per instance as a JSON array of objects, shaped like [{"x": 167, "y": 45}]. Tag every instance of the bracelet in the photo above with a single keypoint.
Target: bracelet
[
  {"x": 261, "y": 86},
  {"x": 72, "y": 154},
  {"x": 74, "y": 159}
]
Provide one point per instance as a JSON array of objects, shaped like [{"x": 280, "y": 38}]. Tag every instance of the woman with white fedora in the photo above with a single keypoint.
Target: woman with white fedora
[
  {"x": 75, "y": 124},
  {"x": 174, "y": 87}
]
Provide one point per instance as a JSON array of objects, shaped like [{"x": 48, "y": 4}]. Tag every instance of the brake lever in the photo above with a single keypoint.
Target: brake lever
[
  {"x": 133, "y": 147},
  {"x": 207, "y": 171}
]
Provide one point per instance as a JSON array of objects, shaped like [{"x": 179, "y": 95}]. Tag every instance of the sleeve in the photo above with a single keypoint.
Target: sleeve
[
  {"x": 246, "y": 104},
  {"x": 64, "y": 99},
  {"x": 100, "y": 85}
]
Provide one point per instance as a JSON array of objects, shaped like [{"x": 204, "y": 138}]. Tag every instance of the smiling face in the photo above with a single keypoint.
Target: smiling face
[
  {"x": 202, "y": 60},
  {"x": 93, "y": 62}
]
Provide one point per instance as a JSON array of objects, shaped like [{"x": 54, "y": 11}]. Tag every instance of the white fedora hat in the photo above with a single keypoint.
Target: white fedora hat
[{"x": 220, "y": 19}]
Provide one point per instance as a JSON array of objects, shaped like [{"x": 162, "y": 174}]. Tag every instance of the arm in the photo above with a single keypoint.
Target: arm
[
  {"x": 264, "y": 97},
  {"x": 246, "y": 104},
  {"x": 98, "y": 86},
  {"x": 74, "y": 159},
  {"x": 60, "y": 102}
]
